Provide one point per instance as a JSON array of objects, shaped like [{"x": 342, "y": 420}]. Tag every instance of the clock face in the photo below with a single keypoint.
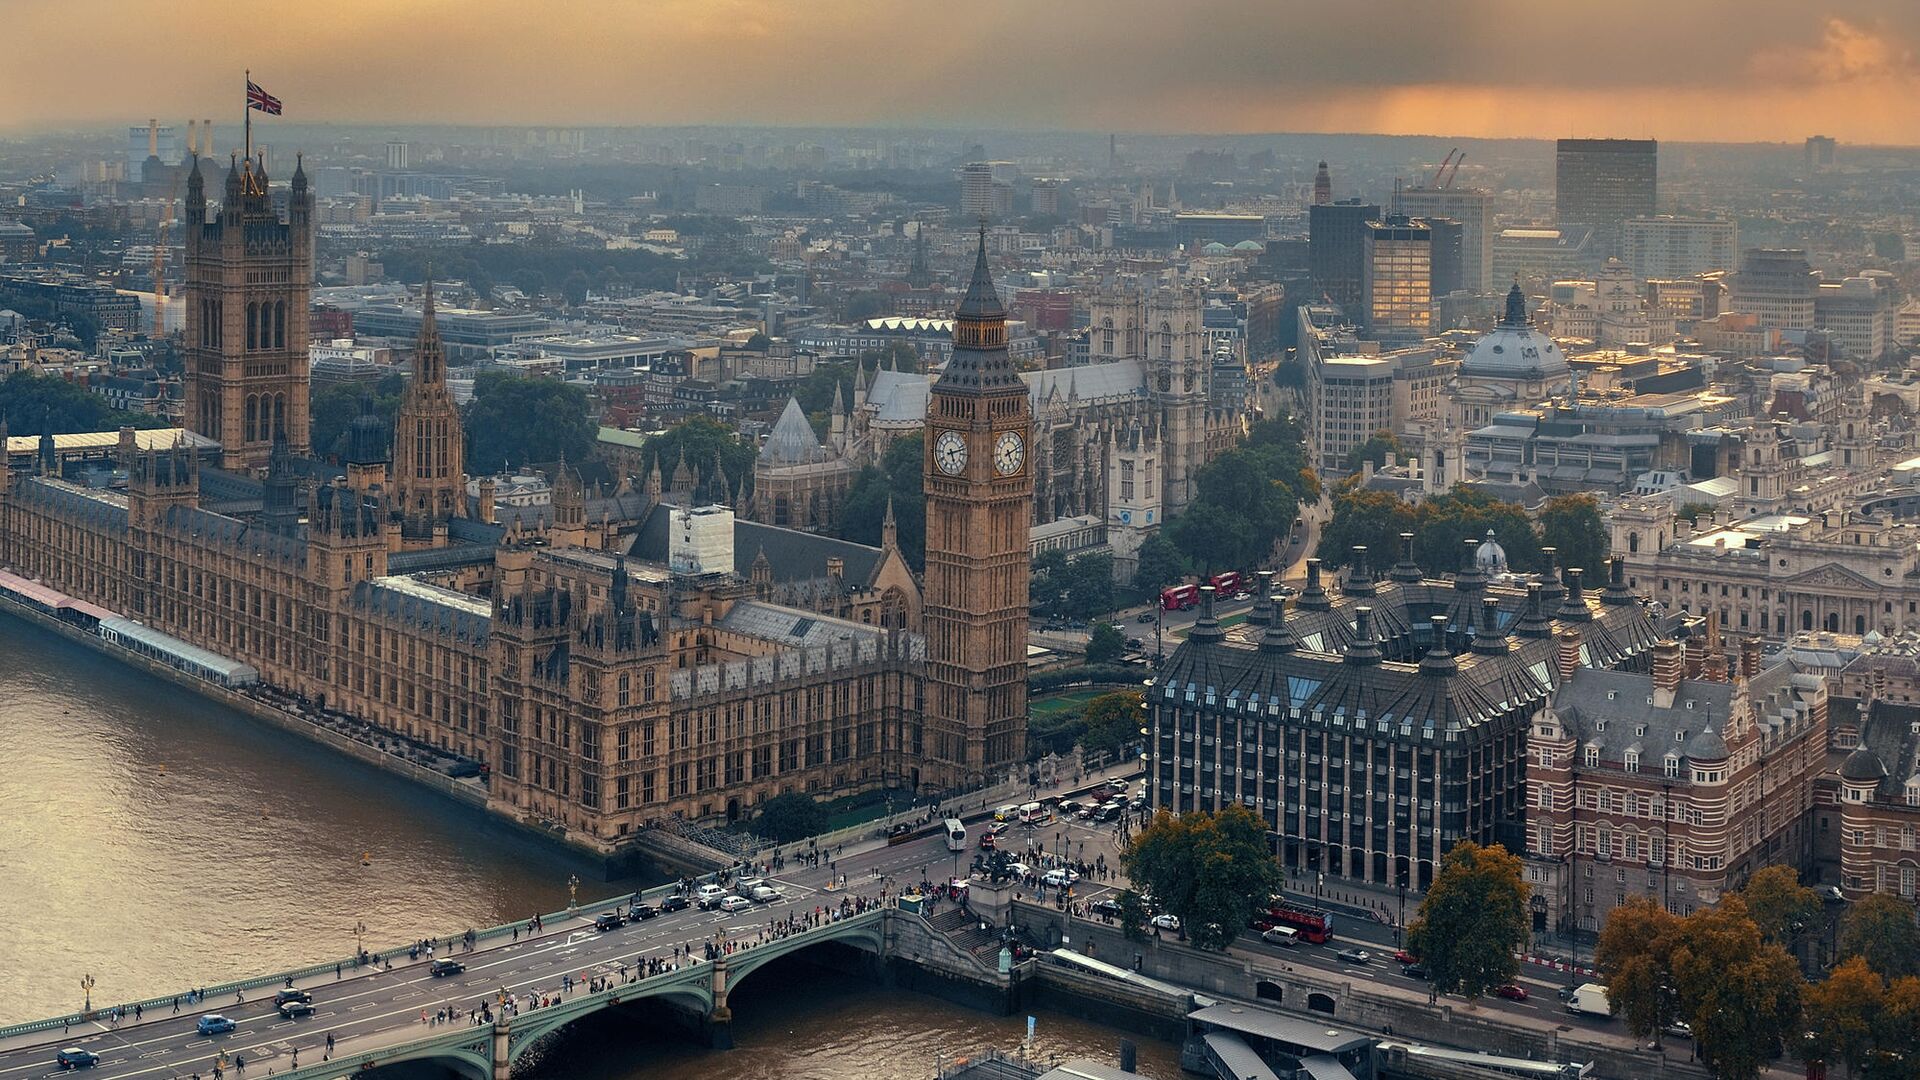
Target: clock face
[
  {"x": 950, "y": 453},
  {"x": 1008, "y": 453}
]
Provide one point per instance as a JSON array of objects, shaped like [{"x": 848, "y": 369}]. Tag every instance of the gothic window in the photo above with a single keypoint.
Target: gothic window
[
  {"x": 279, "y": 415},
  {"x": 1633, "y": 541},
  {"x": 253, "y": 405},
  {"x": 280, "y": 324},
  {"x": 253, "y": 314},
  {"x": 1166, "y": 341}
]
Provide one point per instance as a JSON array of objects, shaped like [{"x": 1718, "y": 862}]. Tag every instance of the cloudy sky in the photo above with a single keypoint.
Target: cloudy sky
[{"x": 1722, "y": 70}]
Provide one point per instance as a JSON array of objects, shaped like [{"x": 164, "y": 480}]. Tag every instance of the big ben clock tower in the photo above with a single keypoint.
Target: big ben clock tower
[{"x": 979, "y": 485}]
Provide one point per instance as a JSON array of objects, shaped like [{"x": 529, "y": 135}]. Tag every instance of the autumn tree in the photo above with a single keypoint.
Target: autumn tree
[
  {"x": 1473, "y": 919},
  {"x": 1780, "y": 906},
  {"x": 1880, "y": 928},
  {"x": 1635, "y": 955},
  {"x": 1113, "y": 721},
  {"x": 1211, "y": 869},
  {"x": 1375, "y": 449},
  {"x": 1842, "y": 1012},
  {"x": 1373, "y": 518},
  {"x": 1572, "y": 523},
  {"x": 1738, "y": 991}
]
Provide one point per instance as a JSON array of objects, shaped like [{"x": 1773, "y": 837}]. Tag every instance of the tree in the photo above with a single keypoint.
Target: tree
[
  {"x": 1737, "y": 991},
  {"x": 1691, "y": 511},
  {"x": 1246, "y": 499},
  {"x": 1897, "y": 1030},
  {"x": 1105, "y": 644},
  {"x": 519, "y": 420},
  {"x": 1473, "y": 919},
  {"x": 897, "y": 477},
  {"x": 789, "y": 817},
  {"x": 34, "y": 404},
  {"x": 1133, "y": 915},
  {"x": 575, "y": 287},
  {"x": 1375, "y": 449},
  {"x": 333, "y": 407},
  {"x": 1113, "y": 721},
  {"x": 1572, "y": 524},
  {"x": 1880, "y": 929},
  {"x": 1842, "y": 1012},
  {"x": 1780, "y": 906},
  {"x": 1371, "y": 518},
  {"x": 1211, "y": 869},
  {"x": 701, "y": 440},
  {"x": 1446, "y": 521},
  {"x": 758, "y": 341},
  {"x": 1161, "y": 565},
  {"x": 1635, "y": 954}
]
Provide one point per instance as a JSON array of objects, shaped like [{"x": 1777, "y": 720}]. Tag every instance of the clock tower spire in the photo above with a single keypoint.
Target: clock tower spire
[{"x": 979, "y": 488}]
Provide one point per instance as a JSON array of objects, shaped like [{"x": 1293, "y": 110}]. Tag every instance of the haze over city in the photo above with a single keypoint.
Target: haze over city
[{"x": 1715, "y": 70}]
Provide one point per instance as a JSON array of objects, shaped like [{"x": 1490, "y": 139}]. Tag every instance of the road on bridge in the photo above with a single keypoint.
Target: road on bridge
[{"x": 366, "y": 1008}]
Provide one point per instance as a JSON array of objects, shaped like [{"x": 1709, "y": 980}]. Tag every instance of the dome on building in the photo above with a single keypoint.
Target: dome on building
[
  {"x": 1249, "y": 245},
  {"x": 1863, "y": 766},
  {"x": 1514, "y": 349},
  {"x": 1214, "y": 247},
  {"x": 1707, "y": 746},
  {"x": 1490, "y": 557}
]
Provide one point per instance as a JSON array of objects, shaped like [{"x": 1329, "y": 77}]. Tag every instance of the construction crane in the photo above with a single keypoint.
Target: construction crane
[
  {"x": 1442, "y": 170},
  {"x": 1456, "y": 170}
]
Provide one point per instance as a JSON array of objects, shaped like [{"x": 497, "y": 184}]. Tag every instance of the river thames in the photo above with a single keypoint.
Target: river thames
[{"x": 157, "y": 841}]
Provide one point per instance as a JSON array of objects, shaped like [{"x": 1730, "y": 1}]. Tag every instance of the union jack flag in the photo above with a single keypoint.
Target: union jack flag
[{"x": 260, "y": 99}]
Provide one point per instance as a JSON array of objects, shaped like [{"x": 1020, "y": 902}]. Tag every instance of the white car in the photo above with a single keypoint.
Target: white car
[
  {"x": 708, "y": 896},
  {"x": 1167, "y": 922},
  {"x": 735, "y": 903},
  {"x": 1059, "y": 877},
  {"x": 1019, "y": 869}
]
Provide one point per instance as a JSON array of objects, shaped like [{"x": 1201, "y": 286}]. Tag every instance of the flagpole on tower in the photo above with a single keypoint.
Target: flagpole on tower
[{"x": 246, "y": 109}]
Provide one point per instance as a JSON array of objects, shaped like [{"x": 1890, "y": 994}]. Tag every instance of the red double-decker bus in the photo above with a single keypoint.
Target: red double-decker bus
[
  {"x": 1311, "y": 923},
  {"x": 1228, "y": 583},
  {"x": 1180, "y": 598}
]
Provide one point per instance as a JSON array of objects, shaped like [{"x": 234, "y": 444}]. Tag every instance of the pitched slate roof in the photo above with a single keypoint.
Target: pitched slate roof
[{"x": 794, "y": 556}]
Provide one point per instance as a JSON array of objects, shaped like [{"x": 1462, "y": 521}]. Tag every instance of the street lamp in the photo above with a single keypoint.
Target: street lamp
[
  {"x": 360, "y": 938},
  {"x": 86, "y": 990},
  {"x": 573, "y": 894}
]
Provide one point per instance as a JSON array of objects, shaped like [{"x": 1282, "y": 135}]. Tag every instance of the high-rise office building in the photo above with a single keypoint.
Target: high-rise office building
[
  {"x": 1322, "y": 185},
  {"x": 1335, "y": 238},
  {"x": 1819, "y": 152},
  {"x": 1603, "y": 182},
  {"x": 1396, "y": 273},
  {"x": 1473, "y": 209},
  {"x": 1679, "y": 247},
  {"x": 1778, "y": 286},
  {"x": 1449, "y": 263},
  {"x": 397, "y": 155},
  {"x": 986, "y": 189}
]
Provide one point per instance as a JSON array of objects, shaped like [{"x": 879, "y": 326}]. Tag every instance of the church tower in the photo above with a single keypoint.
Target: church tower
[
  {"x": 979, "y": 490},
  {"x": 249, "y": 284},
  {"x": 429, "y": 482}
]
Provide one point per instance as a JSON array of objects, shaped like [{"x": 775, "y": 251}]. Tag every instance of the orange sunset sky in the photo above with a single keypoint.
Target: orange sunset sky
[{"x": 1717, "y": 70}]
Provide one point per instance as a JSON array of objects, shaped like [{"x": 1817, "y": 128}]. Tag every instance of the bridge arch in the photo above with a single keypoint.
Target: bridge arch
[
  {"x": 867, "y": 937},
  {"x": 1317, "y": 1002},
  {"x": 470, "y": 1060},
  {"x": 692, "y": 994}
]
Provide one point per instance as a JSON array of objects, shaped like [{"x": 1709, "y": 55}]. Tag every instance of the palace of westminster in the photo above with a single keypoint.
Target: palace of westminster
[{"x": 617, "y": 660}]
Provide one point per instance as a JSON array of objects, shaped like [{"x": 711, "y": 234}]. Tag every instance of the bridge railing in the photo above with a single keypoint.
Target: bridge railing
[{"x": 213, "y": 994}]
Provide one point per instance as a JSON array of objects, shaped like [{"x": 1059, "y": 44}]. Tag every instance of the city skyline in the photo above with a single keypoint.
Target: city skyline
[{"x": 1485, "y": 69}]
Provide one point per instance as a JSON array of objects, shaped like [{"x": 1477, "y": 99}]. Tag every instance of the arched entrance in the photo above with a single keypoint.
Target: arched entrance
[{"x": 1320, "y": 1003}]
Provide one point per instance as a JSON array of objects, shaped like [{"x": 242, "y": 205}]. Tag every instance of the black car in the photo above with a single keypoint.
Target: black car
[
  {"x": 676, "y": 902},
  {"x": 285, "y": 996},
  {"x": 608, "y": 920},
  {"x": 75, "y": 1058},
  {"x": 294, "y": 1010},
  {"x": 1109, "y": 908},
  {"x": 1414, "y": 971},
  {"x": 443, "y": 968},
  {"x": 641, "y": 911}
]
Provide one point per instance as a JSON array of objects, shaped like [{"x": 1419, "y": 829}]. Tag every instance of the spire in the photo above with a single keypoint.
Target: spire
[
  {"x": 1322, "y": 185},
  {"x": 429, "y": 360},
  {"x": 889, "y": 529},
  {"x": 980, "y": 362}
]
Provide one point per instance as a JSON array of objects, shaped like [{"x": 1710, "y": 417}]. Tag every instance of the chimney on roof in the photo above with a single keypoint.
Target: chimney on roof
[
  {"x": 1533, "y": 621},
  {"x": 1364, "y": 649},
  {"x": 1696, "y": 656},
  {"x": 1278, "y": 636},
  {"x": 1438, "y": 661},
  {"x": 1406, "y": 571},
  {"x": 1616, "y": 592},
  {"x": 1487, "y": 638},
  {"x": 1668, "y": 667},
  {"x": 1206, "y": 629},
  {"x": 1262, "y": 613},
  {"x": 1314, "y": 596},
  {"x": 1574, "y": 607},
  {"x": 1749, "y": 656},
  {"x": 1550, "y": 588},
  {"x": 1566, "y": 653},
  {"x": 1359, "y": 580}
]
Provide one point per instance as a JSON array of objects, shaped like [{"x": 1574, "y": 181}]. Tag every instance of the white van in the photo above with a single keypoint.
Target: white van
[
  {"x": 1281, "y": 935},
  {"x": 1034, "y": 813}
]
